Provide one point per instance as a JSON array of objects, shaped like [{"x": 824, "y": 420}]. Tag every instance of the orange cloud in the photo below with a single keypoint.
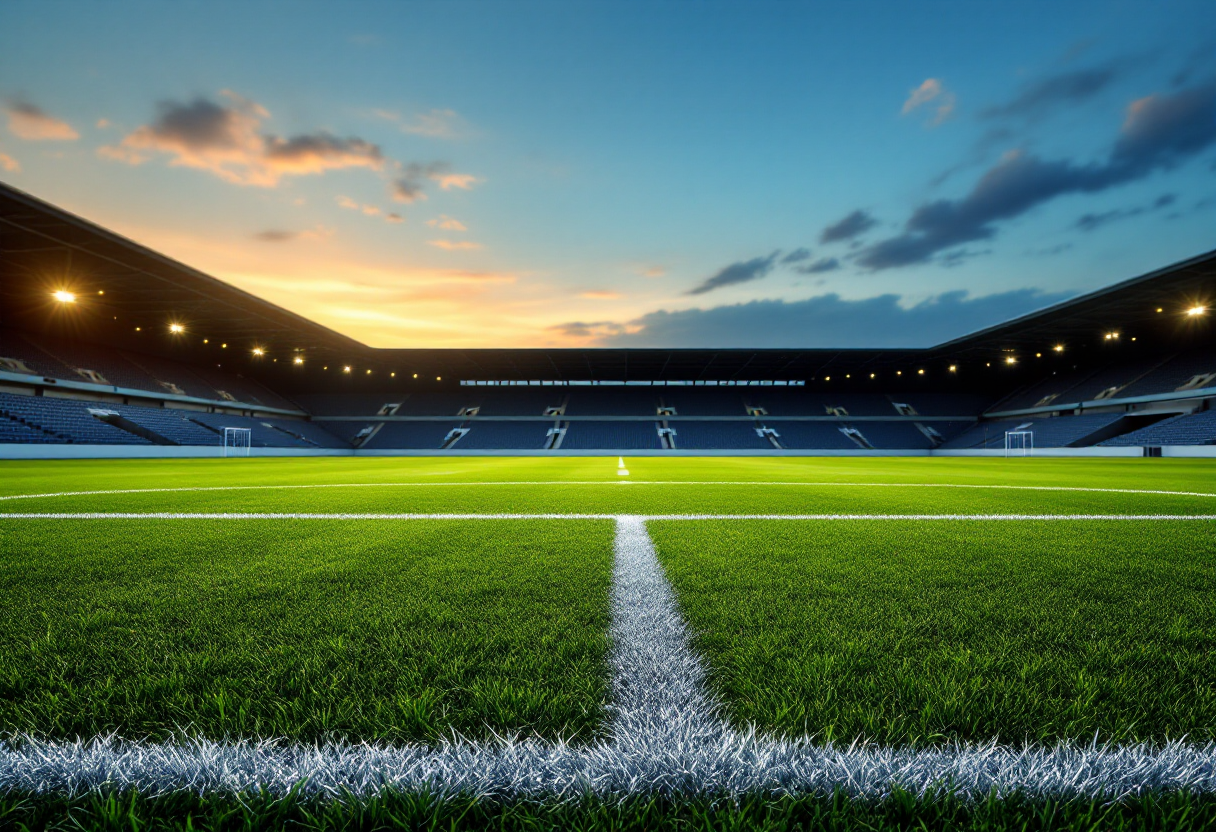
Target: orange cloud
[
  {"x": 447, "y": 223},
  {"x": 226, "y": 139},
  {"x": 454, "y": 245},
  {"x": 9, "y": 164},
  {"x": 447, "y": 181},
  {"x": 26, "y": 121}
]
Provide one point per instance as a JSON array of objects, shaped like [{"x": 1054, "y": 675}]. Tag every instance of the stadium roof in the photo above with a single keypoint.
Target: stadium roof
[{"x": 131, "y": 286}]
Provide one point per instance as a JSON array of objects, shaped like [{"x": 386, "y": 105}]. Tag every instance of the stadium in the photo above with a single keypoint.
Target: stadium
[{"x": 258, "y": 571}]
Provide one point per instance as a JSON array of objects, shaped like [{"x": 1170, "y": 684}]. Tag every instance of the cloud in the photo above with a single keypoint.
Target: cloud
[
  {"x": 9, "y": 164},
  {"x": 824, "y": 264},
  {"x": 1092, "y": 222},
  {"x": 277, "y": 235},
  {"x": 796, "y": 256},
  {"x": 822, "y": 321},
  {"x": 854, "y": 225},
  {"x": 226, "y": 139},
  {"x": 463, "y": 181},
  {"x": 29, "y": 122},
  {"x": 930, "y": 90},
  {"x": 741, "y": 272},
  {"x": 592, "y": 330},
  {"x": 447, "y": 223},
  {"x": 599, "y": 294},
  {"x": 1158, "y": 133},
  {"x": 454, "y": 245},
  {"x": 369, "y": 210},
  {"x": 1062, "y": 89},
  {"x": 437, "y": 124},
  {"x": 652, "y": 271}
]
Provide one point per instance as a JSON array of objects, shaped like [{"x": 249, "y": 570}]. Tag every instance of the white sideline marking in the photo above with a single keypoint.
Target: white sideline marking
[
  {"x": 668, "y": 738},
  {"x": 296, "y": 515},
  {"x": 607, "y": 482},
  {"x": 621, "y": 470}
]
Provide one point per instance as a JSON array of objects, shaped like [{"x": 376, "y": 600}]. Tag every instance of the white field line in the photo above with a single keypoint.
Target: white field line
[
  {"x": 630, "y": 482},
  {"x": 297, "y": 515},
  {"x": 667, "y": 738}
]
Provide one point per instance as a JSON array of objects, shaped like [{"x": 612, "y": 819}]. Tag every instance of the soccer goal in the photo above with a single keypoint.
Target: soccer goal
[
  {"x": 237, "y": 441},
  {"x": 1019, "y": 442}
]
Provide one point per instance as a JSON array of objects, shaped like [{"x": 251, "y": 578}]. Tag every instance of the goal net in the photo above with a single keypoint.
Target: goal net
[
  {"x": 1019, "y": 442},
  {"x": 237, "y": 441}
]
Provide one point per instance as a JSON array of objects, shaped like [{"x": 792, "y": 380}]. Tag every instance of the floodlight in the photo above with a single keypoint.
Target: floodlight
[
  {"x": 920, "y": 372},
  {"x": 438, "y": 378},
  {"x": 827, "y": 378},
  {"x": 176, "y": 329},
  {"x": 258, "y": 351},
  {"x": 415, "y": 375},
  {"x": 101, "y": 291},
  {"x": 899, "y": 372},
  {"x": 64, "y": 296},
  {"x": 871, "y": 375},
  {"x": 1058, "y": 348},
  {"x": 298, "y": 360},
  {"x": 954, "y": 368},
  {"x": 138, "y": 329},
  {"x": 346, "y": 369},
  {"x": 223, "y": 346},
  {"x": 392, "y": 375},
  {"x": 1196, "y": 311},
  {"x": 369, "y": 372},
  {"x": 1010, "y": 360}
]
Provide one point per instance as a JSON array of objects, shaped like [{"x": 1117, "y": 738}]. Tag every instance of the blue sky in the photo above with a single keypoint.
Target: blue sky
[{"x": 642, "y": 174}]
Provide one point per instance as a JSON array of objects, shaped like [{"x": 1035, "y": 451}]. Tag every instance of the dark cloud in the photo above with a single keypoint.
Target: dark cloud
[
  {"x": 797, "y": 256},
  {"x": 275, "y": 236},
  {"x": 226, "y": 138},
  {"x": 855, "y": 224},
  {"x": 823, "y": 264},
  {"x": 824, "y": 321},
  {"x": 410, "y": 185},
  {"x": 1092, "y": 222},
  {"x": 1159, "y": 132},
  {"x": 593, "y": 329},
  {"x": 741, "y": 272},
  {"x": 1046, "y": 94}
]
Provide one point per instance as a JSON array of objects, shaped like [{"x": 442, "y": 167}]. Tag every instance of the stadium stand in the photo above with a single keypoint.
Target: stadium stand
[
  {"x": 1187, "y": 429},
  {"x": 505, "y": 435},
  {"x": 108, "y": 366},
  {"x": 1049, "y": 432},
  {"x": 720, "y": 435},
  {"x": 606, "y": 435}
]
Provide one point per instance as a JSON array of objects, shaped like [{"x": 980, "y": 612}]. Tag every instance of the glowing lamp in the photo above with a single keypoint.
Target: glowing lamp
[{"x": 64, "y": 296}]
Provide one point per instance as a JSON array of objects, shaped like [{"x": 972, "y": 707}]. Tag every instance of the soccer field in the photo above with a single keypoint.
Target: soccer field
[{"x": 533, "y": 629}]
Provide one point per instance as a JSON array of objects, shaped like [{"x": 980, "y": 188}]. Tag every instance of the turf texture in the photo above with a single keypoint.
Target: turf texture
[
  {"x": 922, "y": 632},
  {"x": 306, "y": 630}
]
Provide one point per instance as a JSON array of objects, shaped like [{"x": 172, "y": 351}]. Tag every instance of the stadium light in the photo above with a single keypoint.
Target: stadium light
[
  {"x": 64, "y": 296},
  {"x": 392, "y": 375},
  {"x": 206, "y": 340},
  {"x": 1058, "y": 348},
  {"x": 415, "y": 375},
  {"x": 827, "y": 378},
  {"x": 346, "y": 369},
  {"x": 1196, "y": 311},
  {"x": 139, "y": 329},
  {"x": 920, "y": 372},
  {"x": 369, "y": 372},
  {"x": 298, "y": 360},
  {"x": 258, "y": 351},
  {"x": 899, "y": 372},
  {"x": 1038, "y": 355},
  {"x": 1159, "y": 310},
  {"x": 1009, "y": 359},
  {"x": 223, "y": 346},
  {"x": 954, "y": 368},
  {"x": 176, "y": 329},
  {"x": 438, "y": 378},
  {"x": 871, "y": 375}
]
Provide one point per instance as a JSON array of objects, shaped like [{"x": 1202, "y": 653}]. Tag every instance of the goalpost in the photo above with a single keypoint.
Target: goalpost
[
  {"x": 237, "y": 441},
  {"x": 1019, "y": 442}
]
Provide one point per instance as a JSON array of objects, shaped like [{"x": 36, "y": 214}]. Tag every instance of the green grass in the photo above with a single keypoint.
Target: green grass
[
  {"x": 303, "y": 629},
  {"x": 126, "y": 812},
  {"x": 914, "y": 632},
  {"x": 610, "y": 495}
]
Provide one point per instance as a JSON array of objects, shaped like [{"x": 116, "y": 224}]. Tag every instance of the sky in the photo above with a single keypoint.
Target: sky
[{"x": 658, "y": 174}]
